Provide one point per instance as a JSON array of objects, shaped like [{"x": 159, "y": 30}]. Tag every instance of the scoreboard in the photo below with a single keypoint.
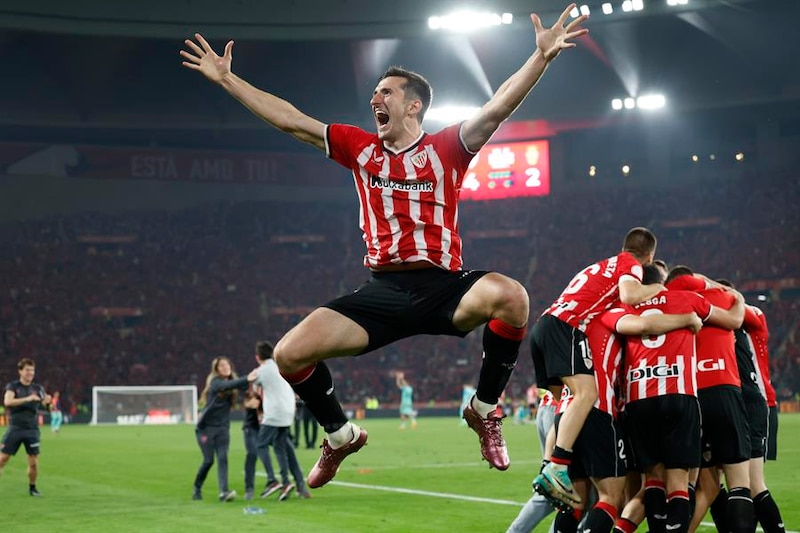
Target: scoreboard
[{"x": 508, "y": 170}]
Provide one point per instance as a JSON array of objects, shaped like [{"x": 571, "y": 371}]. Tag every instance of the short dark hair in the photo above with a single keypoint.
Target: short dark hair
[
  {"x": 25, "y": 361},
  {"x": 726, "y": 282},
  {"x": 264, "y": 350},
  {"x": 678, "y": 271},
  {"x": 661, "y": 263},
  {"x": 651, "y": 275},
  {"x": 640, "y": 242},
  {"x": 416, "y": 86}
]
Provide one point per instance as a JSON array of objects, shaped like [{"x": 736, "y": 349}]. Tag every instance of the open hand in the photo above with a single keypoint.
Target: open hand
[
  {"x": 550, "y": 41},
  {"x": 204, "y": 59}
]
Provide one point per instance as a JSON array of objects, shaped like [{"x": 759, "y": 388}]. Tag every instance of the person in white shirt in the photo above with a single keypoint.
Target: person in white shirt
[{"x": 278, "y": 407}]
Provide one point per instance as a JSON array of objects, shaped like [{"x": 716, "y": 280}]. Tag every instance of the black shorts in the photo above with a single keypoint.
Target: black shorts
[
  {"x": 15, "y": 437},
  {"x": 758, "y": 420},
  {"x": 558, "y": 350},
  {"x": 395, "y": 305},
  {"x": 772, "y": 434},
  {"x": 630, "y": 459},
  {"x": 726, "y": 433},
  {"x": 599, "y": 451},
  {"x": 664, "y": 429}
]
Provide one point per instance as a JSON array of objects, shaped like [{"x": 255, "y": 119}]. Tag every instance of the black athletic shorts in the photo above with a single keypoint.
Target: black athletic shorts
[
  {"x": 558, "y": 350},
  {"x": 758, "y": 420},
  {"x": 395, "y": 305},
  {"x": 631, "y": 464},
  {"x": 599, "y": 451},
  {"x": 664, "y": 429},
  {"x": 772, "y": 434},
  {"x": 15, "y": 437},
  {"x": 726, "y": 433}
]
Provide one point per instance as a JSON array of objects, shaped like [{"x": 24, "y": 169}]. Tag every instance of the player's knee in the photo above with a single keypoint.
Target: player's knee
[
  {"x": 513, "y": 300},
  {"x": 282, "y": 355}
]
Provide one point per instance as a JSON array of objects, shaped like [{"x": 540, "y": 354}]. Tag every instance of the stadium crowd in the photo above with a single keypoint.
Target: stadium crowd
[{"x": 148, "y": 297}]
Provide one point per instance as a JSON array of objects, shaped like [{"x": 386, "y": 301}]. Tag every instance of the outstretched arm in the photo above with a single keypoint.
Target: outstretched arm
[
  {"x": 632, "y": 292},
  {"x": 266, "y": 106},
  {"x": 728, "y": 318},
  {"x": 657, "y": 324},
  {"x": 549, "y": 42}
]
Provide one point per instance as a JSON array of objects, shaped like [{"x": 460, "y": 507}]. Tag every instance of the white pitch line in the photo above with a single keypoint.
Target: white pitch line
[
  {"x": 442, "y": 465},
  {"x": 450, "y": 496},
  {"x": 426, "y": 493}
]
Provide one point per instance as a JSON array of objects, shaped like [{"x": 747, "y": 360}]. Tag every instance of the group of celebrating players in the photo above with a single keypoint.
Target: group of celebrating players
[{"x": 663, "y": 381}]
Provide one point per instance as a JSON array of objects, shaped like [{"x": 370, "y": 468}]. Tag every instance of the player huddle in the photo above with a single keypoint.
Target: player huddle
[{"x": 663, "y": 383}]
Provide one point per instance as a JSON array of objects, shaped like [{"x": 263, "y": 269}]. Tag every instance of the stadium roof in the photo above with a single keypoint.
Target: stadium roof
[{"x": 98, "y": 64}]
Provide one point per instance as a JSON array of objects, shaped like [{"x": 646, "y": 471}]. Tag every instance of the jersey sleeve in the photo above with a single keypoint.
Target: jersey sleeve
[
  {"x": 686, "y": 283},
  {"x": 629, "y": 268},
  {"x": 700, "y": 305},
  {"x": 451, "y": 146},
  {"x": 611, "y": 318},
  {"x": 753, "y": 319},
  {"x": 342, "y": 142}
]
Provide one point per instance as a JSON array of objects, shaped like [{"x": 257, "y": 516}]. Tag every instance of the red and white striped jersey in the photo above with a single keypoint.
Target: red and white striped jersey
[
  {"x": 716, "y": 353},
  {"x": 606, "y": 348},
  {"x": 657, "y": 365},
  {"x": 606, "y": 357},
  {"x": 409, "y": 199},
  {"x": 594, "y": 289},
  {"x": 755, "y": 326},
  {"x": 546, "y": 398}
]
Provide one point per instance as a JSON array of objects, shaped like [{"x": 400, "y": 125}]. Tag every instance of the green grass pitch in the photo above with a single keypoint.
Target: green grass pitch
[{"x": 430, "y": 479}]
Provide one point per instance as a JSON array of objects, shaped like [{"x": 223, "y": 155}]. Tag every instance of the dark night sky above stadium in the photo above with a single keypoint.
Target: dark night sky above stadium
[{"x": 96, "y": 66}]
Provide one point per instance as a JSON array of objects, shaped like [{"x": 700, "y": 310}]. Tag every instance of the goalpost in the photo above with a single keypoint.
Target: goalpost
[{"x": 173, "y": 404}]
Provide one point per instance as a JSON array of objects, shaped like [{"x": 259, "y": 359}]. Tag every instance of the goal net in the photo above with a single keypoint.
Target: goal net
[{"x": 174, "y": 404}]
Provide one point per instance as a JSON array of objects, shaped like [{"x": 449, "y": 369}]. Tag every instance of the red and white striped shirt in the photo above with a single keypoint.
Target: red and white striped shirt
[
  {"x": 716, "y": 353},
  {"x": 606, "y": 360},
  {"x": 409, "y": 199},
  {"x": 546, "y": 398},
  {"x": 606, "y": 348},
  {"x": 755, "y": 325},
  {"x": 657, "y": 365},
  {"x": 594, "y": 289}
]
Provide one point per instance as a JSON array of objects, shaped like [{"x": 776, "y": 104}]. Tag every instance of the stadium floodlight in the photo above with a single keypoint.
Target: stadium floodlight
[
  {"x": 575, "y": 12},
  {"x": 677, "y": 2},
  {"x": 585, "y": 10},
  {"x": 627, "y": 6},
  {"x": 463, "y": 21},
  {"x": 651, "y": 101},
  {"x": 451, "y": 114},
  {"x": 607, "y": 8},
  {"x": 616, "y": 104},
  {"x": 629, "y": 103},
  {"x": 637, "y": 5}
]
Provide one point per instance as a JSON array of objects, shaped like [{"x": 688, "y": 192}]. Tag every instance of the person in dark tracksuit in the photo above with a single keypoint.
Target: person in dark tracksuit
[
  {"x": 213, "y": 424},
  {"x": 23, "y": 398},
  {"x": 250, "y": 428}
]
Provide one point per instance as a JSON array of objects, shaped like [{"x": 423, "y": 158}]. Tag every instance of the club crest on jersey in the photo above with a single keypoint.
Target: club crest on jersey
[{"x": 420, "y": 160}]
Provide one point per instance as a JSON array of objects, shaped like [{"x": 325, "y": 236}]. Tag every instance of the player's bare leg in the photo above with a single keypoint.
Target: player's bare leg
[
  {"x": 554, "y": 479},
  {"x": 300, "y": 356},
  {"x": 502, "y": 304}
]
